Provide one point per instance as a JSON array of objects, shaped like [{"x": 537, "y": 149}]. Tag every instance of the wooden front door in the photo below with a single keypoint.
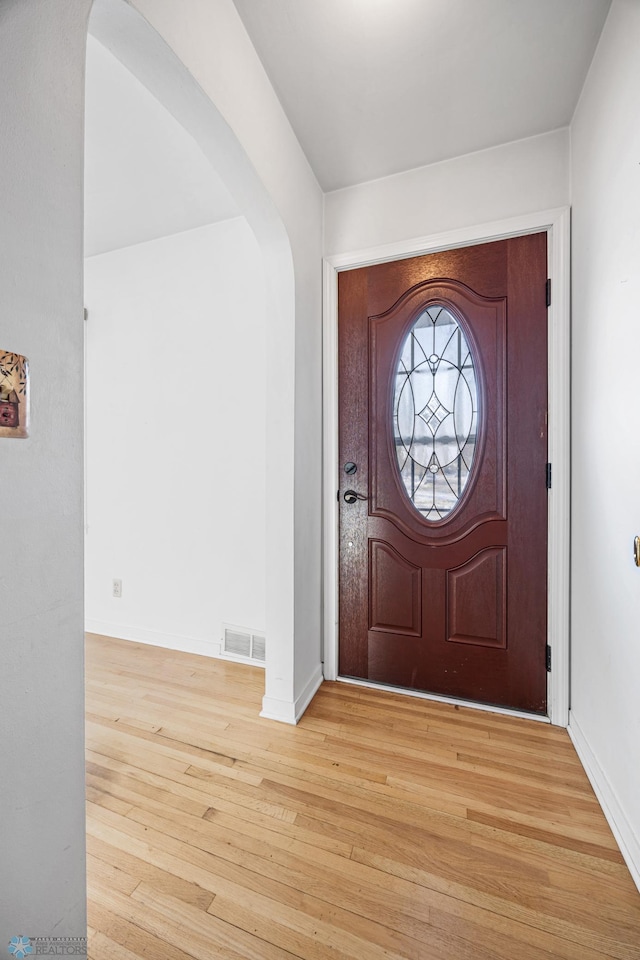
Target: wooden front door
[{"x": 442, "y": 487}]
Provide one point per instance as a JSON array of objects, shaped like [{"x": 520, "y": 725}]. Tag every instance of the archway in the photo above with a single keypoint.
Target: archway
[
  {"x": 144, "y": 53},
  {"x": 41, "y": 72}
]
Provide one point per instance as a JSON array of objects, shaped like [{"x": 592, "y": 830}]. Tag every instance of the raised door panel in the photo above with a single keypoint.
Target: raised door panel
[
  {"x": 477, "y": 600},
  {"x": 396, "y": 592}
]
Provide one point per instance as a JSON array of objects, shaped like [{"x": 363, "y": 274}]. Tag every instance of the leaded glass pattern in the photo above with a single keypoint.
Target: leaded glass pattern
[{"x": 435, "y": 412}]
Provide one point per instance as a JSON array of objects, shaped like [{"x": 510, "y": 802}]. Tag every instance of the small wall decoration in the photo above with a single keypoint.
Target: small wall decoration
[{"x": 14, "y": 395}]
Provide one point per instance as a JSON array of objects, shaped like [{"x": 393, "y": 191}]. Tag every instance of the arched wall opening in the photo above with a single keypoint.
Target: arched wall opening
[
  {"x": 248, "y": 138},
  {"x": 175, "y": 382},
  {"x": 124, "y": 32}
]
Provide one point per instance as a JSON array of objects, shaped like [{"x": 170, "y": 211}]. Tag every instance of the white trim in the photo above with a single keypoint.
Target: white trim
[
  {"x": 169, "y": 641},
  {"x": 556, "y": 222},
  {"x": 286, "y": 711},
  {"x": 472, "y": 704},
  {"x": 330, "y": 571},
  {"x": 559, "y": 434},
  {"x": 622, "y": 830}
]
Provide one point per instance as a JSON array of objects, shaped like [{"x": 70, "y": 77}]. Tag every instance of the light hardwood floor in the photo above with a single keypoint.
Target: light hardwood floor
[{"x": 381, "y": 826}]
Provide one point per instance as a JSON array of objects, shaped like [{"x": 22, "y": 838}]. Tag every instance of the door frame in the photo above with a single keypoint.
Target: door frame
[{"x": 556, "y": 223}]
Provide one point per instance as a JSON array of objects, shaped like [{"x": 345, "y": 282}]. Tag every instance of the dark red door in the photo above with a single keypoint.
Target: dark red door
[{"x": 443, "y": 450}]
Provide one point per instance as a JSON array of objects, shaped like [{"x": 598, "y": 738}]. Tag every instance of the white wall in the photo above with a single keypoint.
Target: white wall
[
  {"x": 605, "y": 694},
  {"x": 144, "y": 176},
  {"x": 517, "y": 178},
  {"x": 176, "y": 437},
  {"x": 42, "y": 886}
]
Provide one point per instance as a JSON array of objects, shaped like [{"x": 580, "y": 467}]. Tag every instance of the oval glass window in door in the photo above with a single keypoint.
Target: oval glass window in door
[{"x": 435, "y": 413}]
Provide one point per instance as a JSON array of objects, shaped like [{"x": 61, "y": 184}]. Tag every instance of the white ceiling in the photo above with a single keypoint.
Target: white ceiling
[
  {"x": 371, "y": 87},
  {"x": 375, "y": 87},
  {"x": 145, "y": 177}
]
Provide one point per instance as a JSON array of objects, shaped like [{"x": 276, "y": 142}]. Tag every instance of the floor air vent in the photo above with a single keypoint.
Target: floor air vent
[{"x": 241, "y": 644}]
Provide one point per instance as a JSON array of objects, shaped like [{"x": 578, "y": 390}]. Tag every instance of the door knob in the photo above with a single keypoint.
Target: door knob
[{"x": 350, "y": 496}]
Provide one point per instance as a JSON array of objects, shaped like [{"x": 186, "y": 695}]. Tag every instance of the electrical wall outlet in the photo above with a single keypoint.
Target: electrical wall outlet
[{"x": 117, "y": 588}]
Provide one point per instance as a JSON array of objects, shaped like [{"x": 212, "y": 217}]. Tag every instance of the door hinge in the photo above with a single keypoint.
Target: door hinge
[
  {"x": 548, "y": 476},
  {"x": 548, "y": 658},
  {"x": 548, "y": 292}
]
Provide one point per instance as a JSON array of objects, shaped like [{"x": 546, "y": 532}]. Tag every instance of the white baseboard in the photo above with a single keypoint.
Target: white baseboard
[
  {"x": 623, "y": 831},
  {"x": 287, "y": 711},
  {"x": 170, "y": 641}
]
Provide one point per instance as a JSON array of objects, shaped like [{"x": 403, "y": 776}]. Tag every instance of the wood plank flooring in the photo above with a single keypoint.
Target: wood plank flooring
[{"x": 380, "y": 827}]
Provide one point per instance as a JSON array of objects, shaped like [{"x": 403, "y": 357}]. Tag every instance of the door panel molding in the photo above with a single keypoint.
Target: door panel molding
[
  {"x": 396, "y": 586},
  {"x": 491, "y": 314},
  {"x": 557, "y": 225},
  {"x": 484, "y": 576}
]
